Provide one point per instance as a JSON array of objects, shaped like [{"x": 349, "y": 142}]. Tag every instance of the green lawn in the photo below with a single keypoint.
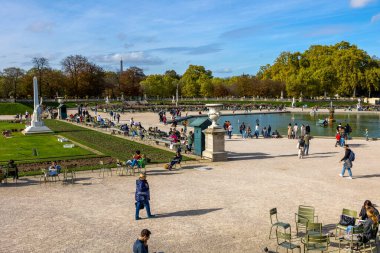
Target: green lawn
[
  {"x": 107, "y": 144},
  {"x": 14, "y": 108},
  {"x": 20, "y": 147}
]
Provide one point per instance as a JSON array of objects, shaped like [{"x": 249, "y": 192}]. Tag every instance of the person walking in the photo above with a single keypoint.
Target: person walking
[
  {"x": 307, "y": 143},
  {"x": 301, "y": 147},
  {"x": 229, "y": 131},
  {"x": 295, "y": 129},
  {"x": 307, "y": 129},
  {"x": 142, "y": 196},
  {"x": 257, "y": 130},
  {"x": 348, "y": 158},
  {"x": 289, "y": 131},
  {"x": 303, "y": 130},
  {"x": 190, "y": 140},
  {"x": 141, "y": 244}
]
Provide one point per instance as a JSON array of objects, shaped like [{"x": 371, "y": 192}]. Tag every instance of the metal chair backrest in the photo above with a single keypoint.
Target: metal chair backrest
[
  {"x": 314, "y": 228},
  {"x": 305, "y": 214},
  {"x": 273, "y": 215},
  {"x": 349, "y": 212}
]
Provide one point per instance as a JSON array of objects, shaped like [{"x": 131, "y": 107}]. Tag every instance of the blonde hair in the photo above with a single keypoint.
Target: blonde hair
[{"x": 371, "y": 214}]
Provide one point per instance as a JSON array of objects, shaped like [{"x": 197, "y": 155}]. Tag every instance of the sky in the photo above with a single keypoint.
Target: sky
[{"x": 228, "y": 37}]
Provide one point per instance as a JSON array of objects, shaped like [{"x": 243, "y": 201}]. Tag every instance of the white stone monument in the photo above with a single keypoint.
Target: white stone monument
[
  {"x": 37, "y": 126},
  {"x": 214, "y": 136}
]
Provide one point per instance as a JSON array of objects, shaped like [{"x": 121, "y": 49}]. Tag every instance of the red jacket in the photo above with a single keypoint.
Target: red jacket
[{"x": 337, "y": 136}]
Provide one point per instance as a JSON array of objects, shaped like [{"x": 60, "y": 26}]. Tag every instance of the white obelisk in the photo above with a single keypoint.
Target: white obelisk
[{"x": 37, "y": 126}]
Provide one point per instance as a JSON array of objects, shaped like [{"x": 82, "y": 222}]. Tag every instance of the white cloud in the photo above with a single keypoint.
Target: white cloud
[
  {"x": 223, "y": 71},
  {"x": 136, "y": 57},
  {"x": 359, "y": 3},
  {"x": 375, "y": 18}
]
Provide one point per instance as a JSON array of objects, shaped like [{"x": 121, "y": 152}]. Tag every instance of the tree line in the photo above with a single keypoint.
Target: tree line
[{"x": 338, "y": 69}]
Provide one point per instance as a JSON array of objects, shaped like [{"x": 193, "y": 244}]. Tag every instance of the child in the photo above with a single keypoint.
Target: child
[{"x": 337, "y": 137}]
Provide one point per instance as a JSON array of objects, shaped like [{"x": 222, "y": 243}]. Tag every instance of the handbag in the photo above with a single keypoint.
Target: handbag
[
  {"x": 346, "y": 220},
  {"x": 141, "y": 205}
]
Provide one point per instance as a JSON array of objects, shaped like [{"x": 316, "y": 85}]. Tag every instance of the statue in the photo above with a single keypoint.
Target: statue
[{"x": 36, "y": 125}]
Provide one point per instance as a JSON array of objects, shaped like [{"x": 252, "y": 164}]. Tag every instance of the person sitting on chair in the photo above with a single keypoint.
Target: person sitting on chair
[
  {"x": 176, "y": 159},
  {"x": 135, "y": 158},
  {"x": 12, "y": 169},
  {"x": 53, "y": 170}
]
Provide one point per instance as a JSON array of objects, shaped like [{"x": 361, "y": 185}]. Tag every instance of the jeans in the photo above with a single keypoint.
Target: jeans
[
  {"x": 132, "y": 163},
  {"x": 146, "y": 206},
  {"x": 342, "y": 142},
  {"x": 243, "y": 134},
  {"x": 229, "y": 134},
  {"x": 306, "y": 149},
  {"x": 189, "y": 147},
  {"x": 344, "y": 170}
]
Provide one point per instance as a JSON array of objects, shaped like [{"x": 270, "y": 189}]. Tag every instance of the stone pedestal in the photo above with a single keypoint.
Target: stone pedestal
[
  {"x": 37, "y": 128},
  {"x": 214, "y": 148}
]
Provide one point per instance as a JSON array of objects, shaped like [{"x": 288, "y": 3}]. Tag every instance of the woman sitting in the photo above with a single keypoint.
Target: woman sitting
[
  {"x": 370, "y": 228},
  {"x": 363, "y": 211},
  {"x": 176, "y": 159},
  {"x": 54, "y": 169},
  {"x": 135, "y": 158}
]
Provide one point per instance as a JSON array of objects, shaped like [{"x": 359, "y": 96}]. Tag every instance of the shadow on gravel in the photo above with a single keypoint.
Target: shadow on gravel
[
  {"x": 247, "y": 156},
  {"x": 188, "y": 213},
  {"x": 368, "y": 176},
  {"x": 20, "y": 182}
]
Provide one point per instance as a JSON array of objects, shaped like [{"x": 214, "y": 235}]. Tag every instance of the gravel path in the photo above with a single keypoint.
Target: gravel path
[{"x": 205, "y": 207}]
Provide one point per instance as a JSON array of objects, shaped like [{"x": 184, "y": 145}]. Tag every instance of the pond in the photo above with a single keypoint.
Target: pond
[{"x": 359, "y": 122}]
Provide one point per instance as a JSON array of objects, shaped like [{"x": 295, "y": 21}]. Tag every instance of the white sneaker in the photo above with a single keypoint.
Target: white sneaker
[
  {"x": 341, "y": 175},
  {"x": 349, "y": 178}
]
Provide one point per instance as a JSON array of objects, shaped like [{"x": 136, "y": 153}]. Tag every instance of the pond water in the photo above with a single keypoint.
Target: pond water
[{"x": 358, "y": 122}]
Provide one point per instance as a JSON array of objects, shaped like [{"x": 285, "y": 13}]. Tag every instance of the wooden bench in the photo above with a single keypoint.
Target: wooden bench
[{"x": 118, "y": 131}]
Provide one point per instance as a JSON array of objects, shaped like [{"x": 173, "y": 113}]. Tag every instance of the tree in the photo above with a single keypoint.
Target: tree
[
  {"x": 190, "y": 85},
  {"x": 219, "y": 87},
  {"x": 40, "y": 64},
  {"x": 372, "y": 80},
  {"x": 11, "y": 77},
  {"x": 85, "y": 78},
  {"x": 206, "y": 87},
  {"x": 130, "y": 81}
]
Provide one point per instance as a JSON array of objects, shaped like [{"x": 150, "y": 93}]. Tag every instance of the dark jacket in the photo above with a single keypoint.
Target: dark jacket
[
  {"x": 368, "y": 231},
  {"x": 142, "y": 190},
  {"x": 363, "y": 213},
  {"x": 139, "y": 247},
  {"x": 346, "y": 154}
]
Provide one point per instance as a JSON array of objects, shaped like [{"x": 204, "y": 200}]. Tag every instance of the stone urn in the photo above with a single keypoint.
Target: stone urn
[{"x": 214, "y": 114}]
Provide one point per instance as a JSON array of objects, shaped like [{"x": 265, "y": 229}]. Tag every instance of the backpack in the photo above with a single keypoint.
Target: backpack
[{"x": 351, "y": 157}]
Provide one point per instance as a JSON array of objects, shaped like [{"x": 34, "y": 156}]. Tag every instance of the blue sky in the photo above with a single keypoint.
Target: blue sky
[{"x": 227, "y": 37}]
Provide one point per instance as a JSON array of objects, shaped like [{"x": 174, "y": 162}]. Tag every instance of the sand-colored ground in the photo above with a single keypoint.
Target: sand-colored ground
[{"x": 203, "y": 207}]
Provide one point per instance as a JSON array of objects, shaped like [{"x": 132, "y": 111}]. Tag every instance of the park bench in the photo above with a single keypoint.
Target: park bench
[{"x": 118, "y": 131}]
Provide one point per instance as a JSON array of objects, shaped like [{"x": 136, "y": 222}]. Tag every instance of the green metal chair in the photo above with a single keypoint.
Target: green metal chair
[
  {"x": 119, "y": 167},
  {"x": 313, "y": 228},
  {"x": 352, "y": 238},
  {"x": 347, "y": 212},
  {"x": 104, "y": 169},
  {"x": 305, "y": 215},
  {"x": 69, "y": 174},
  {"x": 316, "y": 243},
  {"x": 274, "y": 221},
  {"x": 284, "y": 240}
]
